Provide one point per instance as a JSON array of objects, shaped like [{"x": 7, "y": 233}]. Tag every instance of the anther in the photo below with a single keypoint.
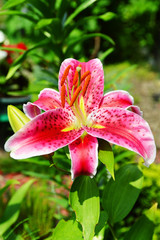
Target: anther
[
  {"x": 63, "y": 94},
  {"x": 65, "y": 74},
  {"x": 86, "y": 83},
  {"x": 75, "y": 79},
  {"x": 85, "y": 75},
  {"x": 75, "y": 95}
]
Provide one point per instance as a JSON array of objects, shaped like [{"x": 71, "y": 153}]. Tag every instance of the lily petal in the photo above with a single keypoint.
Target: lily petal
[
  {"x": 94, "y": 92},
  {"x": 135, "y": 109},
  {"x": 95, "y": 88},
  {"x": 31, "y": 110},
  {"x": 43, "y": 135},
  {"x": 124, "y": 128},
  {"x": 118, "y": 98},
  {"x": 84, "y": 156},
  {"x": 48, "y": 99}
]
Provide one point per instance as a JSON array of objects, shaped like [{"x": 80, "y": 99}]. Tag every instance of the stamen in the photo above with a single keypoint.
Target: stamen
[
  {"x": 65, "y": 74},
  {"x": 75, "y": 79},
  {"x": 85, "y": 75},
  {"x": 76, "y": 93},
  {"x": 86, "y": 84},
  {"x": 63, "y": 94}
]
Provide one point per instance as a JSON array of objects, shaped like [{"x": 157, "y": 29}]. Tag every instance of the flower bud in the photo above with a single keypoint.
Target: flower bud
[{"x": 17, "y": 118}]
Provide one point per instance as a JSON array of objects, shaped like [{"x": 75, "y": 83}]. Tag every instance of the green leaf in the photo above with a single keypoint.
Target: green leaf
[
  {"x": 120, "y": 195},
  {"x": 106, "y": 53},
  {"x": 79, "y": 9},
  {"x": 84, "y": 199},
  {"x": 17, "y": 63},
  {"x": 12, "y": 70},
  {"x": 67, "y": 230},
  {"x": 73, "y": 42},
  {"x": 143, "y": 229},
  {"x": 12, "y": 3},
  {"x": 105, "y": 155},
  {"x": 18, "y": 13},
  {"x": 107, "y": 16},
  {"x": 101, "y": 226},
  {"x": 10, "y": 182},
  {"x": 12, "y": 210},
  {"x": 44, "y": 22}
]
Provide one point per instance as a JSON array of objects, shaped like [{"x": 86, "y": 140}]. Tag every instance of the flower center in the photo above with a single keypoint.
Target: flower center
[{"x": 75, "y": 96}]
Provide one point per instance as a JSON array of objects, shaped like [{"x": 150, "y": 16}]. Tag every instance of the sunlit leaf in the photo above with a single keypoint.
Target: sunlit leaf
[
  {"x": 12, "y": 210},
  {"x": 120, "y": 195},
  {"x": 84, "y": 200},
  {"x": 105, "y": 155},
  {"x": 107, "y": 16},
  {"x": 67, "y": 230},
  {"x": 44, "y": 22}
]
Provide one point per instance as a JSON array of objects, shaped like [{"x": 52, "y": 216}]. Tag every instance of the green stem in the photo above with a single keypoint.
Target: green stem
[
  {"x": 112, "y": 231},
  {"x": 49, "y": 157}
]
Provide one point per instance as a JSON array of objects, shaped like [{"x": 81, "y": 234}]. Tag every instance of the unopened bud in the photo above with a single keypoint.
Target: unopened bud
[{"x": 17, "y": 118}]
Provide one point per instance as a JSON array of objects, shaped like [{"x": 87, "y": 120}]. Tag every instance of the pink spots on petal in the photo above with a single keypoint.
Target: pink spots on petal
[
  {"x": 94, "y": 92},
  {"x": 117, "y": 98},
  {"x": 43, "y": 134},
  {"x": 124, "y": 128}
]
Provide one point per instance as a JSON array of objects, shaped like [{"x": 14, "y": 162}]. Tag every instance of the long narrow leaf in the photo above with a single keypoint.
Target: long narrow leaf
[
  {"x": 13, "y": 208},
  {"x": 106, "y": 53},
  {"x": 73, "y": 42},
  {"x": 18, "y": 13},
  {"x": 10, "y": 182},
  {"x": 83, "y": 6},
  {"x": 12, "y": 3}
]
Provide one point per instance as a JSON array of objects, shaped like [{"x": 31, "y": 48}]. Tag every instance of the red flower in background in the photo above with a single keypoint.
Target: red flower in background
[{"x": 10, "y": 53}]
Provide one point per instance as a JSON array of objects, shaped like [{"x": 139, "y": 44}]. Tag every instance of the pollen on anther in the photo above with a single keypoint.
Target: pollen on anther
[
  {"x": 65, "y": 74},
  {"x": 85, "y": 75},
  {"x": 75, "y": 79},
  {"x": 75, "y": 95},
  {"x": 86, "y": 84},
  {"x": 63, "y": 93}
]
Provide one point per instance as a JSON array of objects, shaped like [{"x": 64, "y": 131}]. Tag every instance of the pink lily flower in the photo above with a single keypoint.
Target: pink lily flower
[{"x": 79, "y": 114}]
